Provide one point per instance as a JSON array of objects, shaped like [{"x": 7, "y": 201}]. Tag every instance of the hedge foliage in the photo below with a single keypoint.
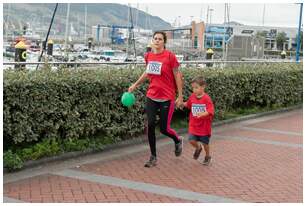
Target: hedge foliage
[
  {"x": 72, "y": 104},
  {"x": 245, "y": 86}
]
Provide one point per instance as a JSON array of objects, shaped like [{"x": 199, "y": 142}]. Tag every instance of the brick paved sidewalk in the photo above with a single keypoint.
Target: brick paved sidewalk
[{"x": 258, "y": 160}]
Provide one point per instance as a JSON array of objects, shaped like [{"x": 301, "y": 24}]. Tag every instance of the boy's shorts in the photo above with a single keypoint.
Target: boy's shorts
[{"x": 203, "y": 139}]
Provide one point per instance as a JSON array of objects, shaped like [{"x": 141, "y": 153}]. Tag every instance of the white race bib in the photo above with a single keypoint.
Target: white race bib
[
  {"x": 197, "y": 108},
  {"x": 154, "y": 68}
]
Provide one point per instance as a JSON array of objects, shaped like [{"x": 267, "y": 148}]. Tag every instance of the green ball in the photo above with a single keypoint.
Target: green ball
[{"x": 128, "y": 99}]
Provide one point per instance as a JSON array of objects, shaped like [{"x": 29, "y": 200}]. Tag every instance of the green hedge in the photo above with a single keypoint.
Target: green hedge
[
  {"x": 73, "y": 104},
  {"x": 248, "y": 85}
]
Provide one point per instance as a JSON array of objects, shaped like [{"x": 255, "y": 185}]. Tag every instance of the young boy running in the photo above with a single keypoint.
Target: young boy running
[{"x": 200, "y": 118}]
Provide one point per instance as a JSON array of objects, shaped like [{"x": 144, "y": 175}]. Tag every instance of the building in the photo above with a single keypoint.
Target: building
[
  {"x": 101, "y": 34},
  {"x": 241, "y": 47},
  {"x": 188, "y": 37},
  {"x": 215, "y": 35},
  {"x": 269, "y": 31}
]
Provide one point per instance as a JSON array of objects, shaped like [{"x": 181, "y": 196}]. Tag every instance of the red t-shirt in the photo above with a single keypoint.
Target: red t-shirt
[
  {"x": 200, "y": 125},
  {"x": 159, "y": 68}
]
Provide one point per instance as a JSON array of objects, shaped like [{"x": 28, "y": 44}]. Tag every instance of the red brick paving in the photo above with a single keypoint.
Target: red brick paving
[
  {"x": 53, "y": 188},
  {"x": 261, "y": 135},
  {"x": 250, "y": 173},
  {"x": 291, "y": 123},
  {"x": 242, "y": 170}
]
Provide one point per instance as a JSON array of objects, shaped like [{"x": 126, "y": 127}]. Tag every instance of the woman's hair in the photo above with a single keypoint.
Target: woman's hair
[
  {"x": 162, "y": 33},
  {"x": 199, "y": 80}
]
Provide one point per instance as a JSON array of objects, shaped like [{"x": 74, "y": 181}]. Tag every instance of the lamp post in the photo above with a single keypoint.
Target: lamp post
[
  {"x": 213, "y": 38},
  {"x": 299, "y": 35},
  {"x": 210, "y": 17},
  {"x": 66, "y": 32},
  {"x": 263, "y": 15}
]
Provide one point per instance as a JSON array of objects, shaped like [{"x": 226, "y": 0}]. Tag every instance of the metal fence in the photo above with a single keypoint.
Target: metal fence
[
  {"x": 198, "y": 64},
  {"x": 142, "y": 63}
]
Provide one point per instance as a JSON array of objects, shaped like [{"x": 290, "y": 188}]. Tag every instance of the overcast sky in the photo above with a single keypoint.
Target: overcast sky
[{"x": 286, "y": 15}]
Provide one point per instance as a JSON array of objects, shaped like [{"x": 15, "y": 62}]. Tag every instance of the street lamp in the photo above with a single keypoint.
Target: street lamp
[
  {"x": 263, "y": 15},
  {"x": 210, "y": 17},
  {"x": 213, "y": 39},
  {"x": 297, "y": 58}
]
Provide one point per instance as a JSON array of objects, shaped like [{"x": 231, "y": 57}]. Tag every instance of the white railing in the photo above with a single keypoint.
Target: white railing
[{"x": 142, "y": 63}]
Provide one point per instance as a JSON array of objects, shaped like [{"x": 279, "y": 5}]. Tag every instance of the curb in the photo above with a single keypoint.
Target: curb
[
  {"x": 139, "y": 140},
  {"x": 70, "y": 155}
]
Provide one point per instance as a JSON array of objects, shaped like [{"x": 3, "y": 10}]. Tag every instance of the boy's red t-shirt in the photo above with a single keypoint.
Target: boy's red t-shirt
[
  {"x": 200, "y": 125},
  {"x": 159, "y": 68}
]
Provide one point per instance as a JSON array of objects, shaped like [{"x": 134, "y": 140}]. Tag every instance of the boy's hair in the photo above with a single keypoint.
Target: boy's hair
[{"x": 199, "y": 80}]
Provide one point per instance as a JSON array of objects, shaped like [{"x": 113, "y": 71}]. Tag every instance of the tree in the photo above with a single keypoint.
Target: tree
[
  {"x": 281, "y": 38},
  {"x": 262, "y": 34}
]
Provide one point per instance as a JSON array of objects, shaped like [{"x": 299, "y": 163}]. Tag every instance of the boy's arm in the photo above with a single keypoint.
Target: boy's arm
[
  {"x": 210, "y": 110},
  {"x": 184, "y": 105},
  {"x": 202, "y": 114},
  {"x": 187, "y": 104}
]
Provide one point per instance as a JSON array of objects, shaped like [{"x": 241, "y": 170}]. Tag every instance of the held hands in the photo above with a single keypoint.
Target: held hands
[{"x": 179, "y": 102}]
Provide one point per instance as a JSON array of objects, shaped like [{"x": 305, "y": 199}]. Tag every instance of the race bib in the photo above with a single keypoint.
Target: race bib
[
  {"x": 154, "y": 68},
  {"x": 197, "y": 108}
]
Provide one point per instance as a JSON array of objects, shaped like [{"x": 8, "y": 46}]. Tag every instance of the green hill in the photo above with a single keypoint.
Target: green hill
[{"x": 38, "y": 16}]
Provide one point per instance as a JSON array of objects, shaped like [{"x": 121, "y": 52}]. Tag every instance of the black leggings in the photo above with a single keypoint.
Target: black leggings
[{"x": 165, "y": 116}]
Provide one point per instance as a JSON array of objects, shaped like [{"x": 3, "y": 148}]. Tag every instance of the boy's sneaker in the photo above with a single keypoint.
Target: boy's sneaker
[
  {"x": 152, "y": 162},
  {"x": 197, "y": 153},
  {"x": 179, "y": 147},
  {"x": 207, "y": 161}
]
